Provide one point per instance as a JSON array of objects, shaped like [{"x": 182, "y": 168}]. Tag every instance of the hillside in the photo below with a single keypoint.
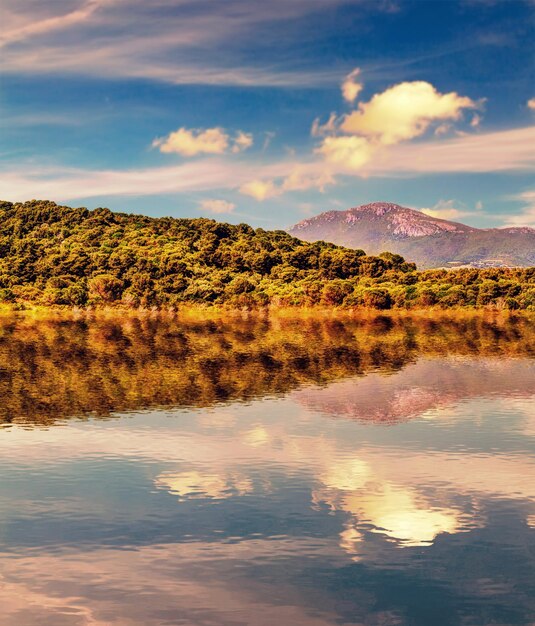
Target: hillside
[
  {"x": 57, "y": 255},
  {"x": 427, "y": 241},
  {"x": 53, "y": 254}
]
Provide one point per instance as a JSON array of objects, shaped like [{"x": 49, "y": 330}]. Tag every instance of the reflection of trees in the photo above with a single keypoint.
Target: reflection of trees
[{"x": 57, "y": 367}]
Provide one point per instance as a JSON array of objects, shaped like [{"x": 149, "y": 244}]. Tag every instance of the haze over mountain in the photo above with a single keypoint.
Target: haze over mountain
[{"x": 428, "y": 241}]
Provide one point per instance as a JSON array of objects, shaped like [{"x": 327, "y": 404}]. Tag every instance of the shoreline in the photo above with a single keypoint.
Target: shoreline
[{"x": 209, "y": 312}]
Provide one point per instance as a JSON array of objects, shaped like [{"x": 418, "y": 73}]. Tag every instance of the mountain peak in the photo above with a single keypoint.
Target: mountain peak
[
  {"x": 379, "y": 208},
  {"x": 399, "y": 221},
  {"x": 427, "y": 240}
]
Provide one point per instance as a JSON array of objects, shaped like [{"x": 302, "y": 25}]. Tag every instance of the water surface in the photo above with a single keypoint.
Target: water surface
[{"x": 267, "y": 471}]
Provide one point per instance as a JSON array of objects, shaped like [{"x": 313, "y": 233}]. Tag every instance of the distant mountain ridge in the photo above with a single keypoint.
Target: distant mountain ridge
[{"x": 428, "y": 241}]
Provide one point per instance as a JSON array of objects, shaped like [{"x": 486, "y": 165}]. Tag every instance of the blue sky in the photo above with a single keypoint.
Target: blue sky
[{"x": 268, "y": 112}]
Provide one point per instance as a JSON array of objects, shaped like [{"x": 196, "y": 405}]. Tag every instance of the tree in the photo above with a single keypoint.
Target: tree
[{"x": 105, "y": 287}]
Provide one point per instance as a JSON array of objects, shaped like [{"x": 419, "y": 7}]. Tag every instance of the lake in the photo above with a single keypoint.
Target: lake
[{"x": 287, "y": 469}]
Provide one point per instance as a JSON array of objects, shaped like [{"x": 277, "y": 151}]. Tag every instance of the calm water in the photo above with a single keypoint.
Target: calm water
[{"x": 252, "y": 471}]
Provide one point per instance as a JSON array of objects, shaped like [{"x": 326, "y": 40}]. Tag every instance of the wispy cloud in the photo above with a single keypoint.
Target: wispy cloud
[
  {"x": 301, "y": 178},
  {"x": 260, "y": 189},
  {"x": 21, "y": 26},
  {"x": 216, "y": 206},
  {"x": 501, "y": 151},
  {"x": 351, "y": 87},
  {"x": 24, "y": 120},
  {"x": 110, "y": 60},
  {"x": 204, "y": 174},
  {"x": 504, "y": 151},
  {"x": 176, "y": 41},
  {"x": 450, "y": 210},
  {"x": 526, "y": 217},
  {"x": 328, "y": 128}
]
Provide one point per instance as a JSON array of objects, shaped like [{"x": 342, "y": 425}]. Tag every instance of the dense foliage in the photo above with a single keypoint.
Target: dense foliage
[{"x": 56, "y": 255}]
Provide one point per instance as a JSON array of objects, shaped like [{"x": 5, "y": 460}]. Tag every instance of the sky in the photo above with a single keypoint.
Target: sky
[{"x": 269, "y": 112}]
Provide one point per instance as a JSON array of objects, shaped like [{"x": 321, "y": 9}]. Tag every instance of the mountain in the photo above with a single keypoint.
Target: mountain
[{"x": 427, "y": 241}]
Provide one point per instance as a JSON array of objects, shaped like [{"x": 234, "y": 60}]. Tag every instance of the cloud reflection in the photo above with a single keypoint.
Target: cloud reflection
[
  {"x": 194, "y": 484},
  {"x": 391, "y": 510}
]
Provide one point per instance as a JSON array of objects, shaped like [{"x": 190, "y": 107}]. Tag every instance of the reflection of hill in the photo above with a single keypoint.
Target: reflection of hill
[
  {"x": 56, "y": 368},
  {"x": 427, "y": 384}
]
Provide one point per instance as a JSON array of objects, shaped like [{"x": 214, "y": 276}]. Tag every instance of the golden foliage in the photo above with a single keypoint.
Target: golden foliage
[{"x": 61, "y": 365}]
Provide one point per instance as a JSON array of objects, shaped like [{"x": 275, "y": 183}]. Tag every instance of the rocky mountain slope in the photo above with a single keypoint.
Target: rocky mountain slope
[{"x": 425, "y": 240}]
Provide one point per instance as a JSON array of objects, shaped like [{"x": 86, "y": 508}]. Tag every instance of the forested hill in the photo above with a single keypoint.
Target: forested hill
[{"x": 57, "y": 255}]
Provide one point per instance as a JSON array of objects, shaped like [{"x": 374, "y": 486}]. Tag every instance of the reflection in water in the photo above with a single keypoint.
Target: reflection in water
[
  {"x": 57, "y": 367},
  {"x": 194, "y": 484},
  {"x": 390, "y": 509},
  {"x": 378, "y": 474},
  {"x": 420, "y": 387},
  {"x": 387, "y": 507}
]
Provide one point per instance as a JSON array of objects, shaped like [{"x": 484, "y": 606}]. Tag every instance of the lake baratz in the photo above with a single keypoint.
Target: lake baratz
[{"x": 289, "y": 469}]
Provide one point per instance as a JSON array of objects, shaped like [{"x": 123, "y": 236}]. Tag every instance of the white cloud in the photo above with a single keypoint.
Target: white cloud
[
  {"x": 242, "y": 141},
  {"x": 191, "y": 142},
  {"x": 260, "y": 189},
  {"x": 351, "y": 153},
  {"x": 216, "y": 206},
  {"x": 531, "y": 104},
  {"x": 351, "y": 87},
  {"x": 403, "y": 112},
  {"x": 301, "y": 180}
]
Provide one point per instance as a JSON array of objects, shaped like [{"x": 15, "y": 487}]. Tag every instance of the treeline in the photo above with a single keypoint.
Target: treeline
[{"x": 57, "y": 255}]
